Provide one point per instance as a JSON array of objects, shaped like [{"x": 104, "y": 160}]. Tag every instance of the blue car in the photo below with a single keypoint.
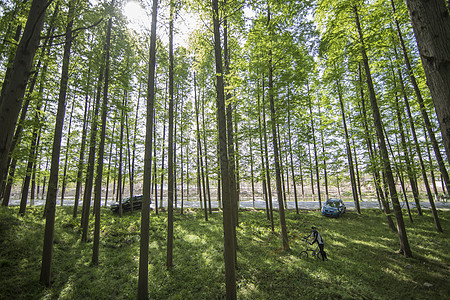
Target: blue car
[{"x": 333, "y": 208}]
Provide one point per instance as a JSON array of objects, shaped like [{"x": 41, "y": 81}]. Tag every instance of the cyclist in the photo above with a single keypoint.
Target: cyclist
[{"x": 317, "y": 238}]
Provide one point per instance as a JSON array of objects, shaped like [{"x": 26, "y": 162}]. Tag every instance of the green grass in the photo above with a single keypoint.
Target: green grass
[{"x": 363, "y": 263}]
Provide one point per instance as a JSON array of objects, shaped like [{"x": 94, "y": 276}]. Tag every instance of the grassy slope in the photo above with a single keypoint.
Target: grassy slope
[{"x": 362, "y": 250}]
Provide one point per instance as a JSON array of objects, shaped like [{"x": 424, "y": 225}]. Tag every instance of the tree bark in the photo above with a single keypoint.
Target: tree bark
[
  {"x": 431, "y": 24},
  {"x": 170, "y": 157},
  {"x": 66, "y": 156},
  {"x": 404, "y": 244},
  {"x": 50, "y": 203},
  {"x": 11, "y": 101},
  {"x": 80, "y": 166},
  {"x": 145, "y": 214},
  {"x": 316, "y": 160},
  {"x": 101, "y": 150},
  {"x": 227, "y": 196},
  {"x": 349, "y": 150}
]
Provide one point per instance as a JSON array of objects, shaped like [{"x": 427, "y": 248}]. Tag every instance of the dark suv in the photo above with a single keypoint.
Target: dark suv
[{"x": 126, "y": 204}]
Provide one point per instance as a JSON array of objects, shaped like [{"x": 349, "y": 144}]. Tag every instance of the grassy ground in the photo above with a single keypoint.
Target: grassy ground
[{"x": 363, "y": 263}]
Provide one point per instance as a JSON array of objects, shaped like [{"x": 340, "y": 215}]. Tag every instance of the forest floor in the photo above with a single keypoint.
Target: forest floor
[{"x": 362, "y": 250}]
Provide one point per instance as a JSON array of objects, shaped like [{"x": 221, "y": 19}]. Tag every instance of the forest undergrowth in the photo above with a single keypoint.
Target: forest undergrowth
[{"x": 363, "y": 260}]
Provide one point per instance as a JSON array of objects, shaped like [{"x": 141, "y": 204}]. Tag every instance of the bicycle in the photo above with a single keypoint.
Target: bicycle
[{"x": 315, "y": 252}]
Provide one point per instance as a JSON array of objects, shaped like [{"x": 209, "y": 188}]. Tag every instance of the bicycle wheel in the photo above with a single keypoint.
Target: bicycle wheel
[{"x": 304, "y": 254}]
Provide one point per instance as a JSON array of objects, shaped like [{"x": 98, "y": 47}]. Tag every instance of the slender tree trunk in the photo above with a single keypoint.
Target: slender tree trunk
[
  {"x": 316, "y": 160},
  {"x": 63, "y": 188},
  {"x": 349, "y": 150},
  {"x": 163, "y": 152},
  {"x": 31, "y": 160},
  {"x": 284, "y": 233},
  {"x": 325, "y": 172},
  {"x": 82, "y": 148},
  {"x": 199, "y": 151},
  {"x": 134, "y": 143},
  {"x": 101, "y": 150},
  {"x": 252, "y": 170},
  {"x": 311, "y": 172},
  {"x": 91, "y": 162},
  {"x": 399, "y": 173},
  {"x": 170, "y": 158},
  {"x": 294, "y": 183},
  {"x": 409, "y": 170},
  {"x": 227, "y": 196},
  {"x": 50, "y": 205},
  {"x": 375, "y": 171},
  {"x": 266, "y": 152},
  {"x": 111, "y": 142},
  {"x": 119, "y": 178},
  {"x": 404, "y": 244},
  {"x": 145, "y": 214},
  {"x": 262, "y": 153},
  {"x": 205, "y": 155},
  {"x": 229, "y": 115}
]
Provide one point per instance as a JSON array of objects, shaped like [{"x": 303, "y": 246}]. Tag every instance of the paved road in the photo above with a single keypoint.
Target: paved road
[{"x": 261, "y": 204}]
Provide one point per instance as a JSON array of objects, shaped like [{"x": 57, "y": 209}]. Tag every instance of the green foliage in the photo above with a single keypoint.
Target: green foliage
[{"x": 363, "y": 262}]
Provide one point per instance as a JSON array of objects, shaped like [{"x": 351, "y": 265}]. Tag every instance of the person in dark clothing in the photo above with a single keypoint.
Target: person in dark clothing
[{"x": 318, "y": 238}]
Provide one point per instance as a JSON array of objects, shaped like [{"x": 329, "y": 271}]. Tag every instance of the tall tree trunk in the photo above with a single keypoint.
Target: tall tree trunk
[
  {"x": 5, "y": 82},
  {"x": 229, "y": 115},
  {"x": 111, "y": 142},
  {"x": 431, "y": 24},
  {"x": 119, "y": 177},
  {"x": 101, "y": 150},
  {"x": 50, "y": 203},
  {"x": 227, "y": 196},
  {"x": 170, "y": 158},
  {"x": 316, "y": 160},
  {"x": 80, "y": 166},
  {"x": 399, "y": 171},
  {"x": 404, "y": 244},
  {"x": 294, "y": 183},
  {"x": 207, "y": 190},
  {"x": 376, "y": 175},
  {"x": 431, "y": 35},
  {"x": 145, "y": 214},
  {"x": 134, "y": 144},
  {"x": 262, "y": 153},
  {"x": 199, "y": 151},
  {"x": 163, "y": 146},
  {"x": 5, "y": 186},
  {"x": 419, "y": 153},
  {"x": 266, "y": 152},
  {"x": 11, "y": 100},
  {"x": 66, "y": 155},
  {"x": 273, "y": 118},
  {"x": 409, "y": 170},
  {"x": 91, "y": 161},
  {"x": 31, "y": 159},
  {"x": 349, "y": 150},
  {"x": 325, "y": 172},
  {"x": 252, "y": 170}
]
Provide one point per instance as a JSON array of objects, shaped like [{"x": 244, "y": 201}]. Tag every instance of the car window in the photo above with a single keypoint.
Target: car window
[{"x": 333, "y": 203}]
